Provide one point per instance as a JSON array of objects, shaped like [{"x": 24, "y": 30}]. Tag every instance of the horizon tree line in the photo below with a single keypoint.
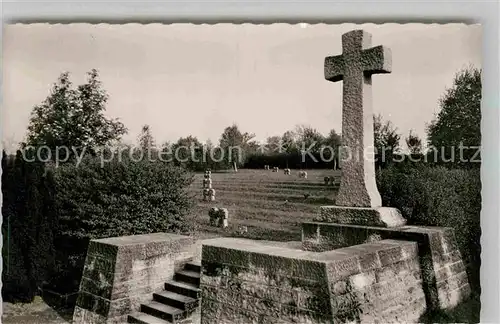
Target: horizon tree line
[{"x": 74, "y": 117}]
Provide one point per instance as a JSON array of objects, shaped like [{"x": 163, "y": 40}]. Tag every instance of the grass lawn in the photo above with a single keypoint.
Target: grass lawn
[{"x": 271, "y": 204}]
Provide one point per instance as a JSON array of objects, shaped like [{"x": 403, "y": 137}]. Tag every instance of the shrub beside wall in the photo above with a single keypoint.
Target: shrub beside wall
[
  {"x": 28, "y": 227},
  {"x": 115, "y": 199},
  {"x": 437, "y": 196}
]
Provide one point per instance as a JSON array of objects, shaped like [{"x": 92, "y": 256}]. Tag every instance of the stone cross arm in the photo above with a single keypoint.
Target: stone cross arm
[{"x": 374, "y": 60}]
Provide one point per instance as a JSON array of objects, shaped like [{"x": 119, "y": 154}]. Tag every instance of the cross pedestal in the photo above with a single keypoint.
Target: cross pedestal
[{"x": 358, "y": 200}]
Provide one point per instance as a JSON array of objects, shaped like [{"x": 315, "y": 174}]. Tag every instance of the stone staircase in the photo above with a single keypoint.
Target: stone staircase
[{"x": 177, "y": 303}]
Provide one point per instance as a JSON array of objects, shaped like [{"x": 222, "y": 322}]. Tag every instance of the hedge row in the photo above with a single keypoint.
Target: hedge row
[
  {"x": 437, "y": 196},
  {"x": 50, "y": 214},
  {"x": 28, "y": 227},
  {"x": 297, "y": 160}
]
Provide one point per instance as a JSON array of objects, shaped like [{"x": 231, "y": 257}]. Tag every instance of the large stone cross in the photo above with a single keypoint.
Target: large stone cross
[{"x": 355, "y": 67}]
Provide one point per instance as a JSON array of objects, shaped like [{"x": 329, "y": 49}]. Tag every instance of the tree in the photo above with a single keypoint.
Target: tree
[
  {"x": 414, "y": 143},
  {"x": 252, "y": 147},
  {"x": 188, "y": 152},
  {"x": 146, "y": 142},
  {"x": 166, "y": 146},
  {"x": 209, "y": 144},
  {"x": 209, "y": 155},
  {"x": 146, "y": 139},
  {"x": 234, "y": 143},
  {"x": 289, "y": 141},
  {"x": 273, "y": 144},
  {"x": 333, "y": 142},
  {"x": 73, "y": 118},
  {"x": 459, "y": 119},
  {"x": 386, "y": 139},
  {"x": 309, "y": 138}
]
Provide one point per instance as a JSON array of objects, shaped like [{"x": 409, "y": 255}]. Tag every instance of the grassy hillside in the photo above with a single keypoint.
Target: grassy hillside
[{"x": 272, "y": 205}]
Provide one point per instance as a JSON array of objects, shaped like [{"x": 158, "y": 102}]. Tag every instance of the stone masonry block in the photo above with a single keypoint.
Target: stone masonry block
[
  {"x": 339, "y": 287},
  {"x": 453, "y": 256},
  {"x": 92, "y": 270},
  {"x": 310, "y": 232},
  {"x": 102, "y": 250},
  {"x": 369, "y": 261},
  {"x": 209, "y": 311},
  {"x": 307, "y": 269},
  {"x": 456, "y": 267},
  {"x": 99, "y": 264},
  {"x": 261, "y": 290},
  {"x": 93, "y": 303},
  {"x": 225, "y": 256},
  {"x": 437, "y": 259},
  {"x": 120, "y": 272},
  {"x": 271, "y": 264},
  {"x": 208, "y": 292},
  {"x": 362, "y": 280},
  {"x": 315, "y": 287},
  {"x": 314, "y": 301},
  {"x": 380, "y": 216},
  {"x": 88, "y": 316},
  {"x": 131, "y": 289},
  {"x": 344, "y": 268},
  {"x": 391, "y": 255},
  {"x": 96, "y": 288}
]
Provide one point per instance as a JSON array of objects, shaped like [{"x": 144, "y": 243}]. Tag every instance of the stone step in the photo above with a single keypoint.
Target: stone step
[
  {"x": 176, "y": 300},
  {"x": 193, "y": 266},
  {"x": 188, "y": 276},
  {"x": 143, "y": 318},
  {"x": 183, "y": 288},
  {"x": 162, "y": 311}
]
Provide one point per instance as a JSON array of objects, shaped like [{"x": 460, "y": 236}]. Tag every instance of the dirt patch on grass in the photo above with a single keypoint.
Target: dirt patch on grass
[{"x": 36, "y": 312}]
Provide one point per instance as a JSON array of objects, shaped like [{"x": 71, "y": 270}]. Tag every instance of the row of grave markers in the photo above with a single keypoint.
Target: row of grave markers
[
  {"x": 287, "y": 171},
  {"x": 218, "y": 216},
  {"x": 208, "y": 191}
]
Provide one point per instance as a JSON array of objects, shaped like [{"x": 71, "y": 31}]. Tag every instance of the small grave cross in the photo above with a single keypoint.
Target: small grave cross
[{"x": 355, "y": 67}]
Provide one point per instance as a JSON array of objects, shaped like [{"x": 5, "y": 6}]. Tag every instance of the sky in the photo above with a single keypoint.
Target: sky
[{"x": 185, "y": 79}]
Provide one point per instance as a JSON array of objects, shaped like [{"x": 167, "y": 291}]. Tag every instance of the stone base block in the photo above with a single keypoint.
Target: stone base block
[
  {"x": 381, "y": 216},
  {"x": 444, "y": 275},
  {"x": 369, "y": 283},
  {"x": 120, "y": 273}
]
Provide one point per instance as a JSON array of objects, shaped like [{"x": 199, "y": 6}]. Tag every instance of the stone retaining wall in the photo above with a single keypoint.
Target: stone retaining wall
[
  {"x": 244, "y": 282},
  {"x": 120, "y": 273},
  {"x": 444, "y": 275},
  {"x": 384, "y": 285}
]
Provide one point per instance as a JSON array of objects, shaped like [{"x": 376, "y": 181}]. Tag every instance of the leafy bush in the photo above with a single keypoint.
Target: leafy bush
[
  {"x": 121, "y": 198},
  {"x": 114, "y": 199},
  {"x": 437, "y": 196}
]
